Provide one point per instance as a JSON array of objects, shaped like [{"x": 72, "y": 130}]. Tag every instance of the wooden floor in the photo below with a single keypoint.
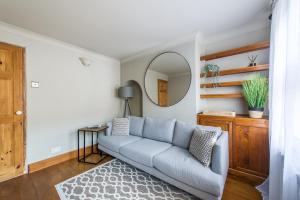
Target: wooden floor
[{"x": 40, "y": 185}]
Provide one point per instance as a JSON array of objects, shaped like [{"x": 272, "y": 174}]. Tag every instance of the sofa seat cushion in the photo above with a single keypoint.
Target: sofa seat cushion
[
  {"x": 114, "y": 143},
  {"x": 144, "y": 150},
  {"x": 179, "y": 164}
]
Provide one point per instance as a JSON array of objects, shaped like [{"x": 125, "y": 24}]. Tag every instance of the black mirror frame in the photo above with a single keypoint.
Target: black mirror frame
[{"x": 165, "y": 52}]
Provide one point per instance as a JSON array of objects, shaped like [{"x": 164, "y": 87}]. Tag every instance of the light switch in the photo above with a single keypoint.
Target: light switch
[{"x": 35, "y": 84}]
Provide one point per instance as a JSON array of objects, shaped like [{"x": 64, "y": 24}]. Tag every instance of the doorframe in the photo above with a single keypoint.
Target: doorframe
[
  {"x": 25, "y": 168},
  {"x": 24, "y": 98}
]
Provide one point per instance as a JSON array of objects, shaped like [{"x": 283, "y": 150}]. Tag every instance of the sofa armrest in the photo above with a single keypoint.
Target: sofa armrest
[
  {"x": 220, "y": 155},
  {"x": 109, "y": 129}
]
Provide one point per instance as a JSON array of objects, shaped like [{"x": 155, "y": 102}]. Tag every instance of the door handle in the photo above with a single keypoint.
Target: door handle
[{"x": 19, "y": 112}]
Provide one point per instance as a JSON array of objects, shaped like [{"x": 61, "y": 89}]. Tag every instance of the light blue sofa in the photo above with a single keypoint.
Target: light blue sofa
[{"x": 160, "y": 147}]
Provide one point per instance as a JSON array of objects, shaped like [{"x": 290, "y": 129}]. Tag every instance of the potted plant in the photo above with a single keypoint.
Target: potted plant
[
  {"x": 213, "y": 70},
  {"x": 255, "y": 92}
]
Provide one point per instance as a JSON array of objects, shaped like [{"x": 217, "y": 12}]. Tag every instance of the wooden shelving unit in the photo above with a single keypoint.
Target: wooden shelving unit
[
  {"x": 222, "y": 84},
  {"x": 222, "y": 96},
  {"x": 246, "y": 135},
  {"x": 240, "y": 70},
  {"x": 235, "y": 51}
]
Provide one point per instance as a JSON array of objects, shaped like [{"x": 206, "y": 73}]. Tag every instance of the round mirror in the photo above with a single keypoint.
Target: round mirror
[{"x": 167, "y": 79}]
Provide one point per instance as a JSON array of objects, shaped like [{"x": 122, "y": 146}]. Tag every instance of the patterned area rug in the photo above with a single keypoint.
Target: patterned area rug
[{"x": 118, "y": 180}]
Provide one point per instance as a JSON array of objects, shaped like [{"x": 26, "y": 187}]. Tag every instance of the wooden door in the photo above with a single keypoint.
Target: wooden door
[
  {"x": 251, "y": 153},
  {"x": 162, "y": 92},
  {"x": 11, "y": 111}
]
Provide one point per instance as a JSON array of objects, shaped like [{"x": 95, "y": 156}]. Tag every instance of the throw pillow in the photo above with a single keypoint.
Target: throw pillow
[
  {"x": 120, "y": 126},
  {"x": 202, "y": 144}
]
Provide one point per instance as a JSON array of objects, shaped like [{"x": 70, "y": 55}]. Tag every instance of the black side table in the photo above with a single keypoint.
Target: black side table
[{"x": 92, "y": 131}]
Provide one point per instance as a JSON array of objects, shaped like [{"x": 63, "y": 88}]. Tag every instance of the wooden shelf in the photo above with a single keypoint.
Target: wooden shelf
[
  {"x": 240, "y": 70},
  {"x": 221, "y": 96},
  {"x": 222, "y": 84},
  {"x": 235, "y": 51}
]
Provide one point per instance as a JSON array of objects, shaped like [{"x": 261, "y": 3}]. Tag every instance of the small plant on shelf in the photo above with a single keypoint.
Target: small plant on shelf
[
  {"x": 255, "y": 92},
  {"x": 214, "y": 71}
]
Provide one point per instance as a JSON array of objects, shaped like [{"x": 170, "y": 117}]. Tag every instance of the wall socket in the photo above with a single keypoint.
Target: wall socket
[{"x": 55, "y": 150}]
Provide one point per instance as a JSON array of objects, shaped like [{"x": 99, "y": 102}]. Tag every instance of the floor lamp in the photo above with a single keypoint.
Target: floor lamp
[{"x": 126, "y": 92}]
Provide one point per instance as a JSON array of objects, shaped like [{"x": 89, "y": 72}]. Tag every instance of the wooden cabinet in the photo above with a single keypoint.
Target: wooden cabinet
[
  {"x": 248, "y": 144},
  {"x": 227, "y": 125}
]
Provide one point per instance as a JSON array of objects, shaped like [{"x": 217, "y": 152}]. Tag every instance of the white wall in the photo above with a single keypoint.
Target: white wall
[
  {"x": 177, "y": 86},
  {"x": 223, "y": 42},
  {"x": 134, "y": 69},
  {"x": 70, "y": 95},
  {"x": 151, "y": 83}
]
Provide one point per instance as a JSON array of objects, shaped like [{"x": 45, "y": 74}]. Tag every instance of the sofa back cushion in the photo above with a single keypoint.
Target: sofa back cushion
[
  {"x": 182, "y": 134},
  {"x": 136, "y": 125},
  {"x": 159, "y": 129}
]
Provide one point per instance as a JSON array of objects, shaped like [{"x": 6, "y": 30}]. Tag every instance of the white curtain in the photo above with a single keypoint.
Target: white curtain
[{"x": 285, "y": 101}]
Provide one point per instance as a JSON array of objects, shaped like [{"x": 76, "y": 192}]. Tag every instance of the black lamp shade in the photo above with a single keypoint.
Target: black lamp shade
[{"x": 125, "y": 92}]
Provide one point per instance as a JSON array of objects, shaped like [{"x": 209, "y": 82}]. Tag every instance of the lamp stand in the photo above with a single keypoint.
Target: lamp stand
[{"x": 127, "y": 105}]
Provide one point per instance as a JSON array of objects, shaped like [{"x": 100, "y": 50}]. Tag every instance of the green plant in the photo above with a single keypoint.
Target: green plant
[
  {"x": 255, "y": 91},
  {"x": 214, "y": 70}
]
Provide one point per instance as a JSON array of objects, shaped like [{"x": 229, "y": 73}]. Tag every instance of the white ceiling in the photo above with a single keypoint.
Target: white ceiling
[{"x": 121, "y": 28}]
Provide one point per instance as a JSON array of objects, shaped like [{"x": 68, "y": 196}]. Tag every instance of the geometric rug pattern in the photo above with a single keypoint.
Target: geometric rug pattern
[{"x": 116, "y": 180}]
